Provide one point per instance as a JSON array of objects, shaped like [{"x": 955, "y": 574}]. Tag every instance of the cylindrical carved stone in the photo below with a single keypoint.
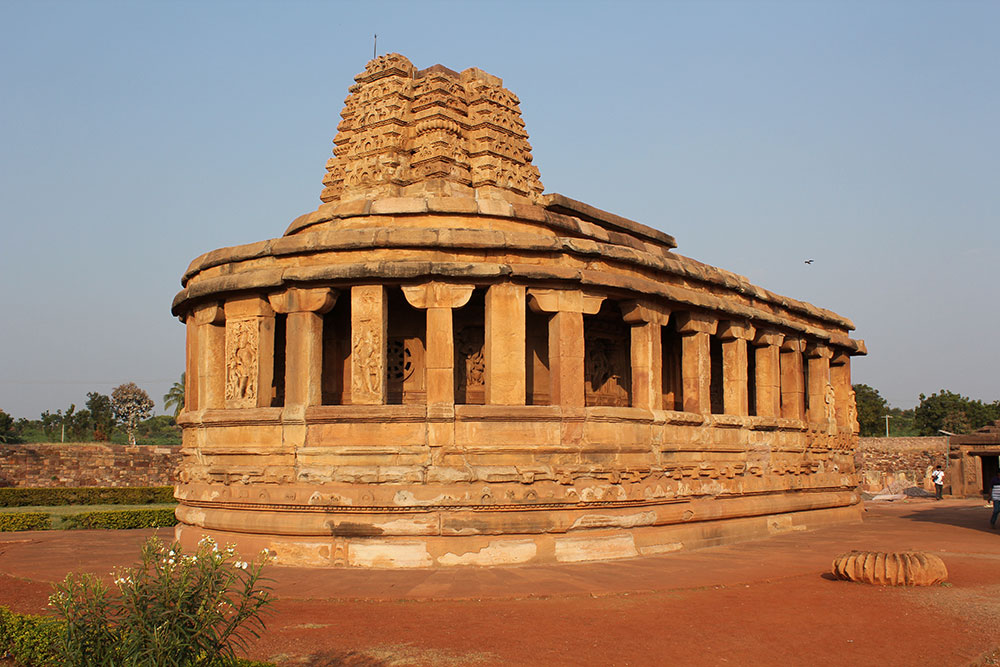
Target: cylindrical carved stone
[{"x": 908, "y": 568}]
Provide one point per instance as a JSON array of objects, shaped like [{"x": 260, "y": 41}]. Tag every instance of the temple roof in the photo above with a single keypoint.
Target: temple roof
[{"x": 410, "y": 132}]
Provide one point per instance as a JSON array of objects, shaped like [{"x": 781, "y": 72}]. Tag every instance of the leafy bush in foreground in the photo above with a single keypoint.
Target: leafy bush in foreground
[{"x": 171, "y": 609}]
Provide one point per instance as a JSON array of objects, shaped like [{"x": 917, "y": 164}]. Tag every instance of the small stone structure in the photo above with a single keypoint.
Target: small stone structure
[
  {"x": 443, "y": 366},
  {"x": 87, "y": 464},
  {"x": 973, "y": 460},
  {"x": 908, "y": 568},
  {"x": 896, "y": 464}
]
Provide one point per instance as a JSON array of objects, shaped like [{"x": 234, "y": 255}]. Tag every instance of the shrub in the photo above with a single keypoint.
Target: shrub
[
  {"x": 171, "y": 609},
  {"x": 11, "y": 522},
  {"x": 28, "y": 640},
  {"x": 123, "y": 519},
  {"x": 97, "y": 495},
  {"x": 31, "y": 641}
]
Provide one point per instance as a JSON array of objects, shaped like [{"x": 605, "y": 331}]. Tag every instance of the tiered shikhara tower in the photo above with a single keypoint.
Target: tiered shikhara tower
[
  {"x": 442, "y": 366},
  {"x": 434, "y": 131}
]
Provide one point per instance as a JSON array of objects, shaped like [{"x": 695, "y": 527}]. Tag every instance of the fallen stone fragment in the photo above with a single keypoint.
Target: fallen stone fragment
[{"x": 908, "y": 568}]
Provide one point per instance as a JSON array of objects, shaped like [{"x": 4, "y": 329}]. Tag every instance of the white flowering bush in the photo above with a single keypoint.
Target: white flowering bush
[{"x": 171, "y": 610}]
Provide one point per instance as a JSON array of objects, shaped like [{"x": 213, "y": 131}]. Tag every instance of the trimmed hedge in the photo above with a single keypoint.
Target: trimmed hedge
[
  {"x": 12, "y": 522},
  {"x": 96, "y": 495},
  {"x": 123, "y": 519},
  {"x": 31, "y": 641}
]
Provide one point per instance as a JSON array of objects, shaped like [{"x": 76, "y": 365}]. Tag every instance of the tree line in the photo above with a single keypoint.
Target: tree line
[
  {"x": 941, "y": 411},
  {"x": 123, "y": 415}
]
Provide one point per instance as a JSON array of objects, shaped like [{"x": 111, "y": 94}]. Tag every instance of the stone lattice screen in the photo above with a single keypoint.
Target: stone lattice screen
[{"x": 87, "y": 464}]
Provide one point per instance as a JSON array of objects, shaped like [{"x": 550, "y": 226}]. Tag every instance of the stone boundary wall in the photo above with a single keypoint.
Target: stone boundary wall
[
  {"x": 87, "y": 464},
  {"x": 900, "y": 463}
]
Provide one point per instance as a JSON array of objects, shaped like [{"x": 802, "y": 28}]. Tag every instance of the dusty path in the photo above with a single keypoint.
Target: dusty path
[{"x": 766, "y": 602}]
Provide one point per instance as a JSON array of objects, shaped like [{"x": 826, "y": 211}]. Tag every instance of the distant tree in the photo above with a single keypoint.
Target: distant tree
[
  {"x": 130, "y": 405},
  {"x": 872, "y": 409},
  {"x": 101, "y": 416},
  {"x": 79, "y": 425},
  {"x": 6, "y": 427},
  {"x": 175, "y": 397},
  {"x": 52, "y": 425},
  {"x": 947, "y": 411}
]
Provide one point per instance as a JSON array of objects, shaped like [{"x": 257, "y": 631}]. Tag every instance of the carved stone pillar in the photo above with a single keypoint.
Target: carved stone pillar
[
  {"x": 566, "y": 347},
  {"x": 647, "y": 319},
  {"x": 734, "y": 335},
  {"x": 820, "y": 404},
  {"x": 696, "y": 361},
  {"x": 303, "y": 341},
  {"x": 249, "y": 352},
  {"x": 439, "y": 299},
  {"x": 191, "y": 354},
  {"x": 792, "y": 380},
  {"x": 369, "y": 322},
  {"x": 206, "y": 374},
  {"x": 767, "y": 357},
  {"x": 505, "y": 344},
  {"x": 840, "y": 378}
]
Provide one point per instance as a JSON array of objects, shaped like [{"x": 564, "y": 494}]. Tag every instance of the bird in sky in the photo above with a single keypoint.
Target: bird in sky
[{"x": 809, "y": 261}]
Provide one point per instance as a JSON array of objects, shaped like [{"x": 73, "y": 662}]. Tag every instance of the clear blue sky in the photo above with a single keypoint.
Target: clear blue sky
[{"x": 135, "y": 136}]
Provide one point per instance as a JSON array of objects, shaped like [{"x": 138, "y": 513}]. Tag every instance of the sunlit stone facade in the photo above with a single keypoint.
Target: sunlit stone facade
[{"x": 442, "y": 366}]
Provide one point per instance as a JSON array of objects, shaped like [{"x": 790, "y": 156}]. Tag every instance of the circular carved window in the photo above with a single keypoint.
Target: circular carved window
[{"x": 399, "y": 360}]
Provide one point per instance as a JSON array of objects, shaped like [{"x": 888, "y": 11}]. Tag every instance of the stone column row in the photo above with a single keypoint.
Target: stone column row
[{"x": 230, "y": 352}]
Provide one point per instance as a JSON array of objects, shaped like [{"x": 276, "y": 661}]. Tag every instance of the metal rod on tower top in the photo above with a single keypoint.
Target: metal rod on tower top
[
  {"x": 887, "y": 418},
  {"x": 374, "y": 46}
]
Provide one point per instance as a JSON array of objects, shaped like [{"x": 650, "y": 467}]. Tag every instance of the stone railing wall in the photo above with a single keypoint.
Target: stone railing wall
[
  {"x": 87, "y": 464},
  {"x": 900, "y": 463}
]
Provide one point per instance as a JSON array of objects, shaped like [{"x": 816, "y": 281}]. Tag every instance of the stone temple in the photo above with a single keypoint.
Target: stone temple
[{"x": 443, "y": 366}]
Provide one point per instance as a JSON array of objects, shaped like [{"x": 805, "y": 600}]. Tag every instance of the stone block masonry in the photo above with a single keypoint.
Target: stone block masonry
[
  {"x": 900, "y": 462},
  {"x": 87, "y": 464}
]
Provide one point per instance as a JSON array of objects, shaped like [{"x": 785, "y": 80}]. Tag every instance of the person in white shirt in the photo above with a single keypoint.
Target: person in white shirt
[
  {"x": 995, "y": 497},
  {"x": 938, "y": 478}
]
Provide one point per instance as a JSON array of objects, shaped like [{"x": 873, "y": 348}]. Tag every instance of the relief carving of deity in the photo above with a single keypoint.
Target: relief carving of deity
[
  {"x": 852, "y": 412},
  {"x": 469, "y": 344},
  {"x": 242, "y": 342},
  {"x": 368, "y": 378}
]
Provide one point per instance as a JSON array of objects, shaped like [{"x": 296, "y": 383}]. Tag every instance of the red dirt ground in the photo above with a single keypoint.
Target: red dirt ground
[{"x": 769, "y": 602}]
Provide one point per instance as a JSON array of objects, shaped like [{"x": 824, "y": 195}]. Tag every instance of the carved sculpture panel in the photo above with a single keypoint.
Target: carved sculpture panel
[
  {"x": 470, "y": 364},
  {"x": 367, "y": 352},
  {"x": 242, "y": 351},
  {"x": 607, "y": 364}
]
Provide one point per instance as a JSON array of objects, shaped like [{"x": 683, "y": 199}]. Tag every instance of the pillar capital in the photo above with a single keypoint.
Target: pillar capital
[
  {"x": 816, "y": 350},
  {"x": 792, "y": 344},
  {"x": 437, "y": 295},
  {"x": 299, "y": 300},
  {"x": 736, "y": 330},
  {"x": 208, "y": 313},
  {"x": 248, "y": 306},
  {"x": 767, "y": 338},
  {"x": 689, "y": 323},
  {"x": 840, "y": 358},
  {"x": 564, "y": 301},
  {"x": 642, "y": 312}
]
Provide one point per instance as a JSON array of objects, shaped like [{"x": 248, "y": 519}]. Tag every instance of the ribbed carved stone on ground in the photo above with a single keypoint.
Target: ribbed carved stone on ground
[{"x": 908, "y": 568}]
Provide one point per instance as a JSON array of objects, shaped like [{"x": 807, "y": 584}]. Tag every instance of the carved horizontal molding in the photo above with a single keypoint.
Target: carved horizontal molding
[{"x": 571, "y": 505}]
